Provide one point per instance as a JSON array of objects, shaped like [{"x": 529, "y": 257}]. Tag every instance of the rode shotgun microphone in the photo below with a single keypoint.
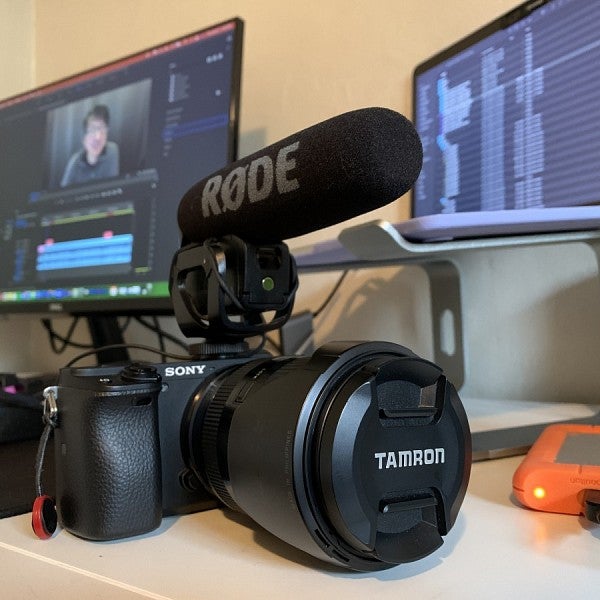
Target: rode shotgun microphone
[{"x": 343, "y": 167}]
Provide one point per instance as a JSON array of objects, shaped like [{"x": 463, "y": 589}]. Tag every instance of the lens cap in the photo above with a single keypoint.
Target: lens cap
[{"x": 392, "y": 459}]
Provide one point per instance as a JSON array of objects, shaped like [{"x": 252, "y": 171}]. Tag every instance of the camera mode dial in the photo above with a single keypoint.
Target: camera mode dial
[{"x": 140, "y": 373}]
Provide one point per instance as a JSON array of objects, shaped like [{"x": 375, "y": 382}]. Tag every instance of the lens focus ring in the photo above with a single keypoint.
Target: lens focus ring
[
  {"x": 215, "y": 432},
  {"x": 210, "y": 440}
]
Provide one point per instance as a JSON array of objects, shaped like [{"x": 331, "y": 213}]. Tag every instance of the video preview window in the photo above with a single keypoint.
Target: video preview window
[{"x": 98, "y": 137}]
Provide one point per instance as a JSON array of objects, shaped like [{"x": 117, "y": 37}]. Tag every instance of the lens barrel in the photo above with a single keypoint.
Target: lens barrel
[{"x": 359, "y": 455}]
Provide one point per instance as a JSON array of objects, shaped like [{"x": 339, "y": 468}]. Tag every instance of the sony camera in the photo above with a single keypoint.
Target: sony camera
[{"x": 358, "y": 454}]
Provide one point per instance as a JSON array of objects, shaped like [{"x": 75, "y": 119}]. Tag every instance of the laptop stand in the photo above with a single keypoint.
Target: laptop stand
[{"x": 378, "y": 243}]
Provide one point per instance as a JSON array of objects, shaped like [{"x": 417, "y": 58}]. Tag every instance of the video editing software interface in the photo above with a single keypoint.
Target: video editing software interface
[
  {"x": 510, "y": 120},
  {"x": 92, "y": 170}
]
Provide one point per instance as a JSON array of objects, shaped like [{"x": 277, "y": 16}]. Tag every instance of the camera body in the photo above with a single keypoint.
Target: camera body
[
  {"x": 118, "y": 453},
  {"x": 359, "y": 454}
]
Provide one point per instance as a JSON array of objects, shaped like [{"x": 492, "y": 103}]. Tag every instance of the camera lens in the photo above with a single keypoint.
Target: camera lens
[{"x": 359, "y": 455}]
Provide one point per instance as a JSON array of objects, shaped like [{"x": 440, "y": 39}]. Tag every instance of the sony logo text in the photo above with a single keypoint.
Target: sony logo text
[
  {"x": 410, "y": 458},
  {"x": 184, "y": 370},
  {"x": 254, "y": 181}
]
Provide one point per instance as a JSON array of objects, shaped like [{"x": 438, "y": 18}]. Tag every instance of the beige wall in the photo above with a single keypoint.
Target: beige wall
[
  {"x": 304, "y": 61},
  {"x": 531, "y": 316},
  {"x": 17, "y": 51}
]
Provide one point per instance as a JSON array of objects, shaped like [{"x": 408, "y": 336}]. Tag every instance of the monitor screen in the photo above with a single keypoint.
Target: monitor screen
[
  {"x": 508, "y": 115},
  {"x": 92, "y": 169}
]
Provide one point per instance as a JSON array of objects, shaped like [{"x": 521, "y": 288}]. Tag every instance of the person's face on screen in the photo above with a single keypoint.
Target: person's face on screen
[{"x": 94, "y": 139}]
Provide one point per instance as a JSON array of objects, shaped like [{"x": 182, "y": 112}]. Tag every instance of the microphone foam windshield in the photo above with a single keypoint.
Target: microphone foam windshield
[{"x": 340, "y": 168}]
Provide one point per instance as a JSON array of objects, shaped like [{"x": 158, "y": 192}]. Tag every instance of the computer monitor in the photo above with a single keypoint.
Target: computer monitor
[{"x": 92, "y": 169}]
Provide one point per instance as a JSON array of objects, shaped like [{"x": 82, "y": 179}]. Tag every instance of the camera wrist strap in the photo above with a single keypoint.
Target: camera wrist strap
[{"x": 43, "y": 515}]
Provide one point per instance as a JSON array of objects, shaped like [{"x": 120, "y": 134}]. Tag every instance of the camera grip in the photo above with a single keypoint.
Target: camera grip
[{"x": 108, "y": 463}]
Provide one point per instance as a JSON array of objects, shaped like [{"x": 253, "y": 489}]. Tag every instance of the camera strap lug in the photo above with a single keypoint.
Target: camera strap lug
[{"x": 50, "y": 406}]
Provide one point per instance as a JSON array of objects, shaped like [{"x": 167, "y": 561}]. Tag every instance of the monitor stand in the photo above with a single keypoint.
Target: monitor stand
[{"x": 105, "y": 331}]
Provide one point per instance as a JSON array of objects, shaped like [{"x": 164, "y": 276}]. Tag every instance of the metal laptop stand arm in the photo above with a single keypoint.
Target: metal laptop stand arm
[{"x": 378, "y": 243}]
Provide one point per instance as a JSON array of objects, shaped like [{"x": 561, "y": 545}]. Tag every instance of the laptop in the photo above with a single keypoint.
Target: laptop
[{"x": 509, "y": 118}]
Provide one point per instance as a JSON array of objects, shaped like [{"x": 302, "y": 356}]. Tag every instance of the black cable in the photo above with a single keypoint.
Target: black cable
[
  {"x": 315, "y": 314},
  {"x": 273, "y": 343},
  {"x": 41, "y": 453},
  {"x": 155, "y": 328},
  {"x": 208, "y": 244},
  {"x": 65, "y": 340},
  {"x": 261, "y": 345},
  {"x": 160, "y": 334},
  {"x": 591, "y": 504},
  {"x": 125, "y": 325},
  {"x": 224, "y": 286},
  {"x": 327, "y": 300},
  {"x": 164, "y": 355}
]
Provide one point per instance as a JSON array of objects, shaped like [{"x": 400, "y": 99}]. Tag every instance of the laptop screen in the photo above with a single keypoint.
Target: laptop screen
[{"x": 509, "y": 117}]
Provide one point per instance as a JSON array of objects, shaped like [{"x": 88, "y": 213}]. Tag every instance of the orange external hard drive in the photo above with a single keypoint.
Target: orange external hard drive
[{"x": 560, "y": 469}]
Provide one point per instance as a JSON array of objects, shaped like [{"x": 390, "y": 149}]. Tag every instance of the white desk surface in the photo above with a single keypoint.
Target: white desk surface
[{"x": 496, "y": 550}]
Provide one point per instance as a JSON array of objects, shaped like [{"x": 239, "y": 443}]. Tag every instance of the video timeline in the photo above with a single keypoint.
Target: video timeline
[{"x": 83, "y": 236}]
